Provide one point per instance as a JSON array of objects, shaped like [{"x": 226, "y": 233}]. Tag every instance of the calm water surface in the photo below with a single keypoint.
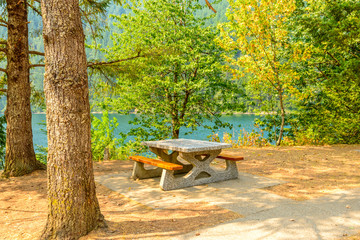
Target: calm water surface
[{"x": 245, "y": 120}]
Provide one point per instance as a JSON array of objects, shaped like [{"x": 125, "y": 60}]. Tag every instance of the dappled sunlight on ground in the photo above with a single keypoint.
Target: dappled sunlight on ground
[
  {"x": 309, "y": 172},
  {"x": 131, "y": 220}
]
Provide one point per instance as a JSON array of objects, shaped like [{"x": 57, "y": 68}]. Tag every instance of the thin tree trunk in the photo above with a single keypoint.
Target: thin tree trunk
[
  {"x": 73, "y": 209},
  {"x": 282, "y": 117},
  {"x": 20, "y": 155},
  {"x": 175, "y": 132}
]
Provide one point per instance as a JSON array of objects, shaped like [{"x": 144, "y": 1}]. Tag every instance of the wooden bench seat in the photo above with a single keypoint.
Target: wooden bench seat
[
  {"x": 231, "y": 157},
  {"x": 157, "y": 163}
]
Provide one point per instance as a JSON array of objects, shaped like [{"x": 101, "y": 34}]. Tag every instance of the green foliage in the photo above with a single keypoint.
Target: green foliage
[
  {"x": 131, "y": 147},
  {"x": 94, "y": 17},
  {"x": 174, "y": 79},
  {"x": 258, "y": 31},
  {"x": 41, "y": 154},
  {"x": 102, "y": 136},
  {"x": 330, "y": 79},
  {"x": 168, "y": 45},
  {"x": 255, "y": 138},
  {"x": 270, "y": 123},
  {"x": 213, "y": 18}
]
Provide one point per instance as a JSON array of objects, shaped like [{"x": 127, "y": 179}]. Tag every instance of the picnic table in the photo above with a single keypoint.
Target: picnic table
[{"x": 184, "y": 163}]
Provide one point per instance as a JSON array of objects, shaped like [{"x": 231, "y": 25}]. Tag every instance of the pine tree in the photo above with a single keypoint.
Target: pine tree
[{"x": 73, "y": 207}]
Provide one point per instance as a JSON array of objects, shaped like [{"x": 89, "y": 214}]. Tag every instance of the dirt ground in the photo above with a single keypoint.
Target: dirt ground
[{"x": 310, "y": 171}]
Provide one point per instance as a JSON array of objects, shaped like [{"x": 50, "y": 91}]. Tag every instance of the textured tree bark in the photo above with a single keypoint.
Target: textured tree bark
[
  {"x": 73, "y": 209},
  {"x": 20, "y": 155}
]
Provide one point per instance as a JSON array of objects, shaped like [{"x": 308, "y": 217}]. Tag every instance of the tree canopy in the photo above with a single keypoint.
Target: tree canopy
[
  {"x": 175, "y": 80},
  {"x": 257, "y": 45},
  {"x": 330, "y": 77}
]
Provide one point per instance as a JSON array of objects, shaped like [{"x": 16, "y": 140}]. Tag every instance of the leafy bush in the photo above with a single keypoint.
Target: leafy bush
[
  {"x": 245, "y": 139},
  {"x": 270, "y": 123},
  {"x": 102, "y": 136}
]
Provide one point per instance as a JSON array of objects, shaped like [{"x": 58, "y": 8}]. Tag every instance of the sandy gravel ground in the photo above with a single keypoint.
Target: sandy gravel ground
[{"x": 310, "y": 171}]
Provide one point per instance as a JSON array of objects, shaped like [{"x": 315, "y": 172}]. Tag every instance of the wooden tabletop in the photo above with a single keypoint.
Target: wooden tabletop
[{"x": 186, "y": 145}]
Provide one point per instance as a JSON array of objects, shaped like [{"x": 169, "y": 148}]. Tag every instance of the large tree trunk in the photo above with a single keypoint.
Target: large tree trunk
[
  {"x": 20, "y": 155},
  {"x": 73, "y": 208}
]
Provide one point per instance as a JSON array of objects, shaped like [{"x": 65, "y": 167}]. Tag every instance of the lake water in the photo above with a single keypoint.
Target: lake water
[{"x": 245, "y": 120}]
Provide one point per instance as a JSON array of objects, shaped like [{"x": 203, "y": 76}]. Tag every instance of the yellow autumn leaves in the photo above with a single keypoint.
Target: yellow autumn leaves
[{"x": 258, "y": 37}]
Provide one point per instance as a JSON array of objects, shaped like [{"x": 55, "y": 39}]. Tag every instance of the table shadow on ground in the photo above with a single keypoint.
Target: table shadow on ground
[{"x": 242, "y": 195}]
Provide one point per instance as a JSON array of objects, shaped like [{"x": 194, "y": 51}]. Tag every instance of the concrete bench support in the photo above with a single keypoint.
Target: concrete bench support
[
  {"x": 201, "y": 173},
  {"x": 139, "y": 172},
  {"x": 185, "y": 163}
]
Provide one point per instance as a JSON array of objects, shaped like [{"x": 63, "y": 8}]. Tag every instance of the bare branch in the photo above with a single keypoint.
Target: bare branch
[
  {"x": 36, "y": 65},
  {"x": 3, "y": 70},
  {"x": 92, "y": 64},
  {"x": 318, "y": 63},
  {"x": 107, "y": 78},
  {"x": 36, "y": 53},
  {"x": 5, "y": 23},
  {"x": 33, "y": 8},
  {"x": 3, "y": 90},
  {"x": 3, "y": 42},
  {"x": 209, "y": 5},
  {"x": 337, "y": 62},
  {"x": 3, "y": 50},
  {"x": 321, "y": 72},
  {"x": 89, "y": 22}
]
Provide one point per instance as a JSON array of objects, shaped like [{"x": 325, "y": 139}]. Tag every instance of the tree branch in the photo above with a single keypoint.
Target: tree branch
[
  {"x": 112, "y": 83},
  {"x": 260, "y": 69},
  {"x": 33, "y": 8},
  {"x": 36, "y": 65},
  {"x": 186, "y": 100},
  {"x": 322, "y": 72},
  {"x": 5, "y": 23},
  {"x": 209, "y": 5},
  {"x": 337, "y": 62},
  {"x": 84, "y": 14},
  {"x": 36, "y": 53},
  {"x": 262, "y": 44},
  {"x": 3, "y": 90},
  {"x": 3, "y": 70},
  {"x": 3, "y": 42},
  {"x": 318, "y": 63},
  {"x": 92, "y": 64}
]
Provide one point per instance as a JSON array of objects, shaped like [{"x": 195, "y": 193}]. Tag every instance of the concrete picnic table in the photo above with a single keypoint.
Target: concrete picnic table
[{"x": 194, "y": 155}]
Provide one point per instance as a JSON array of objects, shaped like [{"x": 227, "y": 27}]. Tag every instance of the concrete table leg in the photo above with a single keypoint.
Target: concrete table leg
[
  {"x": 172, "y": 158},
  {"x": 201, "y": 173},
  {"x": 139, "y": 172}
]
